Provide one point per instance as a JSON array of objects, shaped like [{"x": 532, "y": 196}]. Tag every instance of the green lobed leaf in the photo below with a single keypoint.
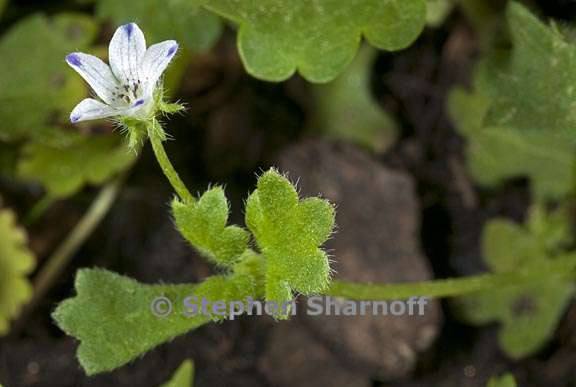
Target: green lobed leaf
[
  {"x": 183, "y": 377},
  {"x": 497, "y": 153},
  {"x": 65, "y": 170},
  {"x": 506, "y": 380},
  {"x": 289, "y": 233},
  {"x": 528, "y": 314},
  {"x": 16, "y": 262},
  {"x": 37, "y": 92},
  {"x": 203, "y": 224},
  {"x": 316, "y": 38},
  {"x": 533, "y": 86},
  {"x": 346, "y": 108},
  {"x": 113, "y": 316},
  {"x": 194, "y": 28}
]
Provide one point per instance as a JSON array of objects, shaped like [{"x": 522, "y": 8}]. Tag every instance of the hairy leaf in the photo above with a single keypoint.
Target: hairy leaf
[
  {"x": 528, "y": 314},
  {"x": 183, "y": 377},
  {"x": 497, "y": 153},
  {"x": 346, "y": 108},
  {"x": 203, "y": 224},
  {"x": 289, "y": 232},
  {"x": 117, "y": 319},
  {"x": 65, "y": 170},
  {"x": 37, "y": 91},
  {"x": 183, "y": 20},
  {"x": 316, "y": 38},
  {"x": 16, "y": 262}
]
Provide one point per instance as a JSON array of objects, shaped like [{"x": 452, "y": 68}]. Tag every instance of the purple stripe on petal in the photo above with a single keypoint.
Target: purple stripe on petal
[
  {"x": 172, "y": 50},
  {"x": 138, "y": 103},
  {"x": 74, "y": 60},
  {"x": 75, "y": 118},
  {"x": 129, "y": 28}
]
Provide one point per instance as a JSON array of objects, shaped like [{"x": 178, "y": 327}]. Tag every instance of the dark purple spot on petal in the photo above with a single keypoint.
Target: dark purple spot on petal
[
  {"x": 129, "y": 28},
  {"x": 75, "y": 118},
  {"x": 74, "y": 60},
  {"x": 172, "y": 50},
  {"x": 138, "y": 103}
]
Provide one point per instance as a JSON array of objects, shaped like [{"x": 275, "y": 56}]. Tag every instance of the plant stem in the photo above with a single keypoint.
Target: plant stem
[
  {"x": 39, "y": 209},
  {"x": 451, "y": 287},
  {"x": 169, "y": 170},
  {"x": 91, "y": 219}
]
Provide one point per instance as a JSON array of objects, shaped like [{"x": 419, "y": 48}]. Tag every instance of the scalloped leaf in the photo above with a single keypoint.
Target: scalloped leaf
[
  {"x": 497, "y": 153},
  {"x": 289, "y": 232},
  {"x": 203, "y": 224},
  {"x": 16, "y": 262},
  {"x": 117, "y": 318},
  {"x": 65, "y": 170},
  {"x": 183, "y": 377},
  {"x": 528, "y": 314},
  {"x": 183, "y": 20},
  {"x": 316, "y": 38},
  {"x": 346, "y": 108},
  {"x": 37, "y": 92},
  {"x": 532, "y": 87}
]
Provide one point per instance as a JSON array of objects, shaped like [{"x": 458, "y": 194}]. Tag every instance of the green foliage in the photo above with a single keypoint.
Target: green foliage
[
  {"x": 3, "y": 4},
  {"x": 497, "y": 153},
  {"x": 317, "y": 38},
  {"x": 528, "y": 313},
  {"x": 37, "y": 91},
  {"x": 183, "y": 377},
  {"x": 288, "y": 232},
  {"x": 183, "y": 20},
  {"x": 16, "y": 262},
  {"x": 65, "y": 170},
  {"x": 532, "y": 87},
  {"x": 203, "y": 224},
  {"x": 506, "y": 380},
  {"x": 438, "y": 11},
  {"x": 346, "y": 108}
]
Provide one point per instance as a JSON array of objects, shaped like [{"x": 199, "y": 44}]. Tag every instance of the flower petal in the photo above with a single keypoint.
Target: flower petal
[
  {"x": 96, "y": 73},
  {"x": 125, "y": 53},
  {"x": 155, "y": 61},
  {"x": 91, "y": 109}
]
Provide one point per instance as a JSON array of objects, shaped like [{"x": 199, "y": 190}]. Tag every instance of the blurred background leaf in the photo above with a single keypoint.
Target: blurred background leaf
[
  {"x": 37, "y": 91},
  {"x": 183, "y": 377},
  {"x": 16, "y": 262},
  {"x": 65, "y": 170},
  {"x": 320, "y": 38},
  {"x": 346, "y": 108}
]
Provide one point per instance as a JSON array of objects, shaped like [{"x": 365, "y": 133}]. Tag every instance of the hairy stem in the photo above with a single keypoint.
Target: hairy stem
[
  {"x": 169, "y": 170},
  {"x": 451, "y": 287}
]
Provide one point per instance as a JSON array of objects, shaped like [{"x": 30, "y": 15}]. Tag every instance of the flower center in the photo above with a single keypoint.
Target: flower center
[{"x": 130, "y": 93}]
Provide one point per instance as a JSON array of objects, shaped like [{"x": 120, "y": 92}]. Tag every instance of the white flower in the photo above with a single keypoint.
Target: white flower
[{"x": 126, "y": 87}]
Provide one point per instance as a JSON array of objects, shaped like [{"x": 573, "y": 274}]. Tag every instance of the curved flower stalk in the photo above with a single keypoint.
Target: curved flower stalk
[{"x": 126, "y": 88}]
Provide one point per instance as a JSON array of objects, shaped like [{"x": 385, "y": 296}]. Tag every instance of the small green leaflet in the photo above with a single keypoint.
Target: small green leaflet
[
  {"x": 37, "y": 91},
  {"x": 497, "y": 153},
  {"x": 203, "y": 224},
  {"x": 288, "y": 232},
  {"x": 194, "y": 28},
  {"x": 183, "y": 377},
  {"x": 346, "y": 109},
  {"x": 16, "y": 262},
  {"x": 528, "y": 314},
  {"x": 316, "y": 38},
  {"x": 65, "y": 170}
]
